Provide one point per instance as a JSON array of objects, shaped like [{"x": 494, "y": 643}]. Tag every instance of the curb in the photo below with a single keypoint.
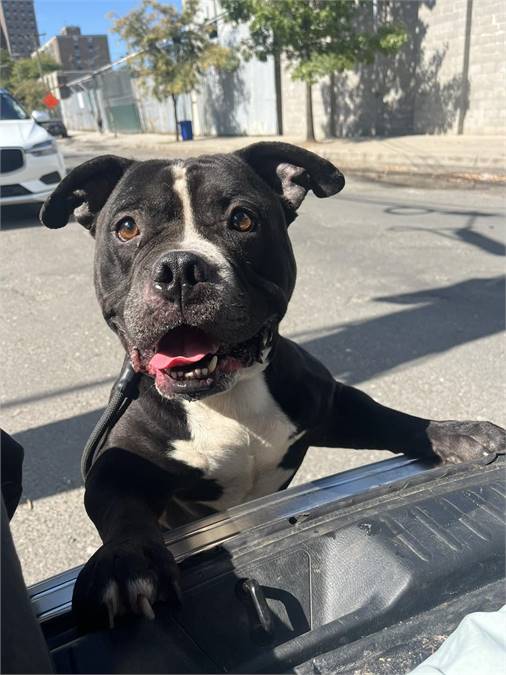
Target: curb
[
  {"x": 422, "y": 179},
  {"x": 409, "y": 170}
]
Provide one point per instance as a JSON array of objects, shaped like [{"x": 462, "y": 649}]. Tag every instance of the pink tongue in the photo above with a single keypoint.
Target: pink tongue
[
  {"x": 181, "y": 347},
  {"x": 161, "y": 361}
]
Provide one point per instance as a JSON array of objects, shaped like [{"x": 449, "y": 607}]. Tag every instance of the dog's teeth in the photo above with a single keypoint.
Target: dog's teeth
[
  {"x": 196, "y": 373},
  {"x": 212, "y": 364}
]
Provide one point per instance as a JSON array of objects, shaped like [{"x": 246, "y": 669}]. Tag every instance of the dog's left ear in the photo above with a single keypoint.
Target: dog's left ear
[
  {"x": 84, "y": 191},
  {"x": 292, "y": 171}
]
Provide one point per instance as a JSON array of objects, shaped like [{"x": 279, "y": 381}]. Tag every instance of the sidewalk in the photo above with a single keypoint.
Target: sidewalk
[{"x": 456, "y": 159}]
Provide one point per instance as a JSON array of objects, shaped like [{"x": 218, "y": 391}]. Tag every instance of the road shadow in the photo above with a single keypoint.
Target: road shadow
[
  {"x": 465, "y": 233},
  {"x": 442, "y": 319},
  {"x": 19, "y": 215},
  {"x": 479, "y": 240},
  {"x": 53, "y": 455}
]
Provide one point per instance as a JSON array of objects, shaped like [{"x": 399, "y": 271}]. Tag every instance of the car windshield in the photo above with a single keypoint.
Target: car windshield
[{"x": 10, "y": 109}]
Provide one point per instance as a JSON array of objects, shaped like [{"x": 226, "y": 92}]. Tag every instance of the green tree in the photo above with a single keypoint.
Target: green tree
[
  {"x": 6, "y": 65},
  {"x": 175, "y": 48},
  {"x": 22, "y": 78},
  {"x": 317, "y": 37}
]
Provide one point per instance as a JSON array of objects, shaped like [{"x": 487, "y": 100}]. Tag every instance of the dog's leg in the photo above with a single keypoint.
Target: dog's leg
[
  {"x": 355, "y": 420},
  {"x": 125, "y": 496}
]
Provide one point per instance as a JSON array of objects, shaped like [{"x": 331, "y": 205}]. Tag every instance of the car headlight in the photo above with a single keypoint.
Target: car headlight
[{"x": 44, "y": 148}]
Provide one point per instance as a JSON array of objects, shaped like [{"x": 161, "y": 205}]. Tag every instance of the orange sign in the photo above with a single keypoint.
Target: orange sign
[{"x": 50, "y": 101}]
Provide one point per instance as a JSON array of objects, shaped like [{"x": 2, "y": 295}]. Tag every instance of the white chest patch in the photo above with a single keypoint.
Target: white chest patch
[{"x": 238, "y": 438}]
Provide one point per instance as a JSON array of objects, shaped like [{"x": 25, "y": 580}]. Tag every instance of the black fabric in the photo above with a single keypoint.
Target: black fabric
[
  {"x": 12, "y": 466},
  {"x": 23, "y": 646}
]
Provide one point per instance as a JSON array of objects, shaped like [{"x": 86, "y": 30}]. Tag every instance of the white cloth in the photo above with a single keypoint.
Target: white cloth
[{"x": 476, "y": 647}]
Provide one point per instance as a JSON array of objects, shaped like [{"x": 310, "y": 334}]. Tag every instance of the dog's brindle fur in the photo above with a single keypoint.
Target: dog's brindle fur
[{"x": 177, "y": 455}]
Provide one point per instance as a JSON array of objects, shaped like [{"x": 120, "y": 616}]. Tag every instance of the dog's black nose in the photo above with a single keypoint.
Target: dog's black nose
[{"x": 177, "y": 272}]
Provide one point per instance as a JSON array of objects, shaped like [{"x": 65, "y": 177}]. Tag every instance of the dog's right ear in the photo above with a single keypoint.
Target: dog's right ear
[{"x": 84, "y": 191}]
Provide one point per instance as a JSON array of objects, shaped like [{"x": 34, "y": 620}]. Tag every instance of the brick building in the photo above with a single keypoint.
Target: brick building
[
  {"x": 18, "y": 27},
  {"x": 76, "y": 52}
]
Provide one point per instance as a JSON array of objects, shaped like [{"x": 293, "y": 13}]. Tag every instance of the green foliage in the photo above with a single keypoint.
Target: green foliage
[
  {"x": 175, "y": 48},
  {"x": 6, "y": 64},
  {"x": 30, "y": 93},
  {"x": 318, "y": 37},
  {"x": 22, "y": 78}
]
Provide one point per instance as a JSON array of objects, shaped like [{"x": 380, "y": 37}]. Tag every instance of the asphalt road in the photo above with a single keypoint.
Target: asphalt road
[{"x": 399, "y": 292}]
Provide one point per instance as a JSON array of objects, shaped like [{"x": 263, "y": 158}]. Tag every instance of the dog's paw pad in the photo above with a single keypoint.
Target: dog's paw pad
[{"x": 455, "y": 442}]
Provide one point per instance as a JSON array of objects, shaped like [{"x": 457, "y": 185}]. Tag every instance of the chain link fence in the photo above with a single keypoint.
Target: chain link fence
[{"x": 114, "y": 101}]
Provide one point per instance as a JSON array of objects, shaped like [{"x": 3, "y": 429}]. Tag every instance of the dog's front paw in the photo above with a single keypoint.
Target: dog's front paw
[
  {"x": 122, "y": 578},
  {"x": 455, "y": 442}
]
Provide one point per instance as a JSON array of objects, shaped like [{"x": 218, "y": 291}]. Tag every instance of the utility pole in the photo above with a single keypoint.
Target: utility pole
[
  {"x": 464, "y": 94},
  {"x": 37, "y": 56}
]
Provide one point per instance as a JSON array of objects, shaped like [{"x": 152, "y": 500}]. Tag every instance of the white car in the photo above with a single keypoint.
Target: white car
[{"x": 31, "y": 165}]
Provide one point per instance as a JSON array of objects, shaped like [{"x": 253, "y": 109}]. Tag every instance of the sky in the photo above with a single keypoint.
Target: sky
[{"x": 90, "y": 16}]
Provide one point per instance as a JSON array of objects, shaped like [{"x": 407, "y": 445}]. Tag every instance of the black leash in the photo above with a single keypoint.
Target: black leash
[{"x": 124, "y": 391}]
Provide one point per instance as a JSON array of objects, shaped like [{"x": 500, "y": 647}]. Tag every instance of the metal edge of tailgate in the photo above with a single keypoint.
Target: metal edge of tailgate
[{"x": 52, "y": 597}]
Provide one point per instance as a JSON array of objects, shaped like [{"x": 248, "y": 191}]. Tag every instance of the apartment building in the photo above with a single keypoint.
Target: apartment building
[
  {"x": 76, "y": 52},
  {"x": 18, "y": 27}
]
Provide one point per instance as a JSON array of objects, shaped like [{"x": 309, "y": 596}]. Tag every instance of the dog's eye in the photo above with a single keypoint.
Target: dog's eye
[
  {"x": 242, "y": 221},
  {"x": 127, "y": 229}
]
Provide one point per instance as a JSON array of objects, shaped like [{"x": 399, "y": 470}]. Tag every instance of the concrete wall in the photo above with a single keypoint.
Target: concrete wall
[
  {"x": 238, "y": 102},
  {"x": 487, "y": 69},
  {"x": 482, "y": 104},
  {"x": 424, "y": 88}
]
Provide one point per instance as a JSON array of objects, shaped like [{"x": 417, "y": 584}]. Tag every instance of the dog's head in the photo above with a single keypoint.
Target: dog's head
[{"x": 193, "y": 265}]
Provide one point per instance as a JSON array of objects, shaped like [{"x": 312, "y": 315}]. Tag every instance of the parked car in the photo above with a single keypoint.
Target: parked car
[
  {"x": 30, "y": 163},
  {"x": 55, "y": 127}
]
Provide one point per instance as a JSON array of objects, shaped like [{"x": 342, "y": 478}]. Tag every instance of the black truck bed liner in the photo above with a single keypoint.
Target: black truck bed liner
[{"x": 364, "y": 572}]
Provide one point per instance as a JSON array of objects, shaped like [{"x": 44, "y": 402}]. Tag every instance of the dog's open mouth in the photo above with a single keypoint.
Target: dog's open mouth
[
  {"x": 187, "y": 361},
  {"x": 185, "y": 353}
]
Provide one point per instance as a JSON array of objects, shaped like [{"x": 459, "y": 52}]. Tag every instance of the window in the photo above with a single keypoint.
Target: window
[{"x": 10, "y": 108}]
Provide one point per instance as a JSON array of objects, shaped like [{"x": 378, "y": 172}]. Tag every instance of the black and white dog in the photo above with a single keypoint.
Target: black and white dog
[{"x": 194, "y": 271}]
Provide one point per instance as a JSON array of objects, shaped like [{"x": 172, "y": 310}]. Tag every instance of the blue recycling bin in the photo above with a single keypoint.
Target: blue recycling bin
[{"x": 186, "y": 130}]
